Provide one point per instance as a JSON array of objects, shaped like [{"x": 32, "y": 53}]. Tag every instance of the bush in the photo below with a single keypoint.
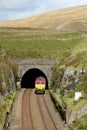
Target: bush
[
  {"x": 79, "y": 124},
  {"x": 62, "y": 91}
]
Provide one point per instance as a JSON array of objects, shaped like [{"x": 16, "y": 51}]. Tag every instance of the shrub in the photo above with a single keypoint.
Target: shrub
[{"x": 62, "y": 91}]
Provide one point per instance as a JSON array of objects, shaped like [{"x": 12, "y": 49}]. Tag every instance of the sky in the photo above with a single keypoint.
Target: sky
[{"x": 19, "y": 9}]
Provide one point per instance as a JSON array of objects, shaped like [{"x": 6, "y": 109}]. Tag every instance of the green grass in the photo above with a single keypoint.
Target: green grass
[
  {"x": 38, "y": 43},
  {"x": 79, "y": 124},
  {"x": 5, "y": 106}
]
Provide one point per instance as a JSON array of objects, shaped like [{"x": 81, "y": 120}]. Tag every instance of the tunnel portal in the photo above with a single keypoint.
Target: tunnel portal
[{"x": 28, "y": 79}]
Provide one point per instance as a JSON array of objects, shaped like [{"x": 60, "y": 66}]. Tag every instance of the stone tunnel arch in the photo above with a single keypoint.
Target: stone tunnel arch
[{"x": 28, "y": 79}]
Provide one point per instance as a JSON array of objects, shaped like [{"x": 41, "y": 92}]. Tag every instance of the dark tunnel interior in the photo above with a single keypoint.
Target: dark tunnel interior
[{"x": 28, "y": 79}]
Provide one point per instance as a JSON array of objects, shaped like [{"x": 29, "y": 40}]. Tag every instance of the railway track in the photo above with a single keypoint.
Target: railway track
[
  {"x": 45, "y": 114},
  {"x": 36, "y": 114},
  {"x": 27, "y": 123}
]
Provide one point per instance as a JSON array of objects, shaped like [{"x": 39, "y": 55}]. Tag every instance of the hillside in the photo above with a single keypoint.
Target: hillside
[
  {"x": 32, "y": 38},
  {"x": 74, "y": 18}
]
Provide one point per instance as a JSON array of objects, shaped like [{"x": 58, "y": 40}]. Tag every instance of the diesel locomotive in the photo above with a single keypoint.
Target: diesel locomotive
[{"x": 40, "y": 85}]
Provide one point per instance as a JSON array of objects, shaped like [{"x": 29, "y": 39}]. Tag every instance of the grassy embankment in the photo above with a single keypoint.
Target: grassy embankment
[
  {"x": 5, "y": 106},
  {"x": 24, "y": 43},
  {"x": 6, "y": 97}
]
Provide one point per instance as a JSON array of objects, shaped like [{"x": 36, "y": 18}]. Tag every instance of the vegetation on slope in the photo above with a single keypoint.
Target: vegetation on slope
[
  {"x": 38, "y": 43},
  {"x": 79, "y": 124},
  {"x": 8, "y": 75},
  {"x": 65, "y": 89},
  {"x": 73, "y": 18},
  {"x": 6, "y": 106},
  {"x": 70, "y": 76}
]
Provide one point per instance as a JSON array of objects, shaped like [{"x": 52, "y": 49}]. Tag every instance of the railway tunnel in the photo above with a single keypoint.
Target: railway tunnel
[{"x": 28, "y": 79}]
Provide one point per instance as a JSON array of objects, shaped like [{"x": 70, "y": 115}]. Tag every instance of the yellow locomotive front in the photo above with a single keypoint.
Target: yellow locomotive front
[{"x": 40, "y": 84}]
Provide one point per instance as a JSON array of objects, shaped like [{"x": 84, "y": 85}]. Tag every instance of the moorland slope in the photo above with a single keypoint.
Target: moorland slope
[{"x": 68, "y": 19}]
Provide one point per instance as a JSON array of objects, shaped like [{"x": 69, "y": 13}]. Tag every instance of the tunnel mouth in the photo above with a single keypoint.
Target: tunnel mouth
[{"x": 28, "y": 79}]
